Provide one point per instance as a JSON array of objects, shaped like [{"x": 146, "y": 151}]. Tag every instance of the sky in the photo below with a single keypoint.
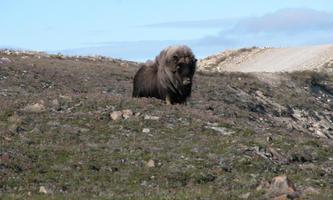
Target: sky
[{"x": 138, "y": 30}]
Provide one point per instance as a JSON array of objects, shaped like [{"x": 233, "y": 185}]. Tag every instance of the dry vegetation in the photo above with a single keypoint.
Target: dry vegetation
[{"x": 235, "y": 134}]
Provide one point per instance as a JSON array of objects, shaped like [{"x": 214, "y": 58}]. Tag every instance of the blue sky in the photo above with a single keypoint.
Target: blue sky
[{"x": 138, "y": 30}]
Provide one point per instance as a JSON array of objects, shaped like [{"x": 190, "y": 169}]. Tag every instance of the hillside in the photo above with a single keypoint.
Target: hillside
[
  {"x": 236, "y": 138},
  {"x": 269, "y": 59}
]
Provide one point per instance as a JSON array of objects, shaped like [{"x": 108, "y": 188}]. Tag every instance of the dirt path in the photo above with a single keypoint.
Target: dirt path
[{"x": 270, "y": 59}]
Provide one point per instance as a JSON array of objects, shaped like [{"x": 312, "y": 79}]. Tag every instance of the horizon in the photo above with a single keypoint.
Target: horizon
[{"x": 138, "y": 31}]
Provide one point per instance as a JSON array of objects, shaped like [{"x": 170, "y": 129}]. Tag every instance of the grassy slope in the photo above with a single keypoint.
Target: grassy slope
[{"x": 75, "y": 151}]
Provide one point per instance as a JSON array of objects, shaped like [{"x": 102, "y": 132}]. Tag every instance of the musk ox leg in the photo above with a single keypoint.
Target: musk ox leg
[{"x": 168, "y": 100}]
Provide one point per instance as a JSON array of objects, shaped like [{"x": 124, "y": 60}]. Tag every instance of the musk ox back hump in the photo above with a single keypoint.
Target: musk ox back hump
[{"x": 145, "y": 82}]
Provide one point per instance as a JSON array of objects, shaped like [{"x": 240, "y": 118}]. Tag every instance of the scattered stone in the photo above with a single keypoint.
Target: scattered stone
[
  {"x": 7, "y": 138},
  {"x": 36, "y": 130},
  {"x": 55, "y": 104},
  {"x": 42, "y": 190},
  {"x": 212, "y": 124},
  {"x": 281, "y": 197},
  {"x": 13, "y": 128},
  {"x": 150, "y": 163},
  {"x": 221, "y": 130},
  {"x": 35, "y": 108},
  {"x": 311, "y": 190},
  {"x": 264, "y": 185},
  {"x": 5, "y": 60},
  {"x": 84, "y": 130},
  {"x": 144, "y": 183},
  {"x": 7, "y": 52},
  {"x": 124, "y": 64},
  {"x": 149, "y": 117},
  {"x": 4, "y": 158},
  {"x": 282, "y": 185},
  {"x": 245, "y": 196},
  {"x": 53, "y": 123},
  {"x": 127, "y": 113},
  {"x": 269, "y": 139},
  {"x": 319, "y": 133},
  {"x": 73, "y": 129},
  {"x": 116, "y": 115},
  {"x": 146, "y": 130},
  {"x": 14, "y": 119},
  {"x": 66, "y": 98}
]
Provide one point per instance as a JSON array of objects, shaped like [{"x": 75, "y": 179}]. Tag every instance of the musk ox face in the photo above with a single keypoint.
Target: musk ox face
[{"x": 169, "y": 77}]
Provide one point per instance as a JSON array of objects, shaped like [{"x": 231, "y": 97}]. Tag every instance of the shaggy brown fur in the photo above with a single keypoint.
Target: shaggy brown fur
[{"x": 169, "y": 77}]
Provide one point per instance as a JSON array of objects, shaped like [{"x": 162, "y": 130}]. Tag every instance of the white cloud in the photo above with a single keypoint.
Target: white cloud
[
  {"x": 287, "y": 20},
  {"x": 288, "y": 27},
  {"x": 196, "y": 24}
]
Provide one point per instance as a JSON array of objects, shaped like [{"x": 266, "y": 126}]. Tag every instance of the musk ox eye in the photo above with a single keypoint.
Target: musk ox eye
[{"x": 175, "y": 58}]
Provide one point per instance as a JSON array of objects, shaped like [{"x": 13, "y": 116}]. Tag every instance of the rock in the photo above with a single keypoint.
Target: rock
[
  {"x": 116, "y": 115},
  {"x": 4, "y": 158},
  {"x": 319, "y": 133},
  {"x": 127, "y": 113},
  {"x": 146, "y": 130},
  {"x": 144, "y": 183},
  {"x": 149, "y": 117},
  {"x": 7, "y": 52},
  {"x": 35, "y": 108},
  {"x": 13, "y": 128},
  {"x": 66, "y": 98},
  {"x": 221, "y": 130},
  {"x": 150, "y": 163},
  {"x": 36, "y": 130},
  {"x": 84, "y": 130},
  {"x": 281, "y": 197},
  {"x": 124, "y": 64},
  {"x": 64, "y": 103},
  {"x": 5, "y": 60},
  {"x": 282, "y": 185},
  {"x": 269, "y": 139},
  {"x": 42, "y": 190},
  {"x": 245, "y": 196},
  {"x": 53, "y": 123},
  {"x": 14, "y": 119},
  {"x": 55, "y": 103},
  {"x": 311, "y": 190}
]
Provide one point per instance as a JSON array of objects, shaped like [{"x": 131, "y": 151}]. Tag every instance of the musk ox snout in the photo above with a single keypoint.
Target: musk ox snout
[
  {"x": 168, "y": 77},
  {"x": 187, "y": 81}
]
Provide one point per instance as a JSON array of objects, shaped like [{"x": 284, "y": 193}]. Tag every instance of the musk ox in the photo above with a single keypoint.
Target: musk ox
[{"x": 168, "y": 77}]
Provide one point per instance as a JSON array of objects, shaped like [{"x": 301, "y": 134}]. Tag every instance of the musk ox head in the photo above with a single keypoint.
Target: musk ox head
[{"x": 168, "y": 77}]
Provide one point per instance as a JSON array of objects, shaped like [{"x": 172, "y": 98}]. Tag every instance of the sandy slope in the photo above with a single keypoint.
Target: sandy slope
[{"x": 269, "y": 59}]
